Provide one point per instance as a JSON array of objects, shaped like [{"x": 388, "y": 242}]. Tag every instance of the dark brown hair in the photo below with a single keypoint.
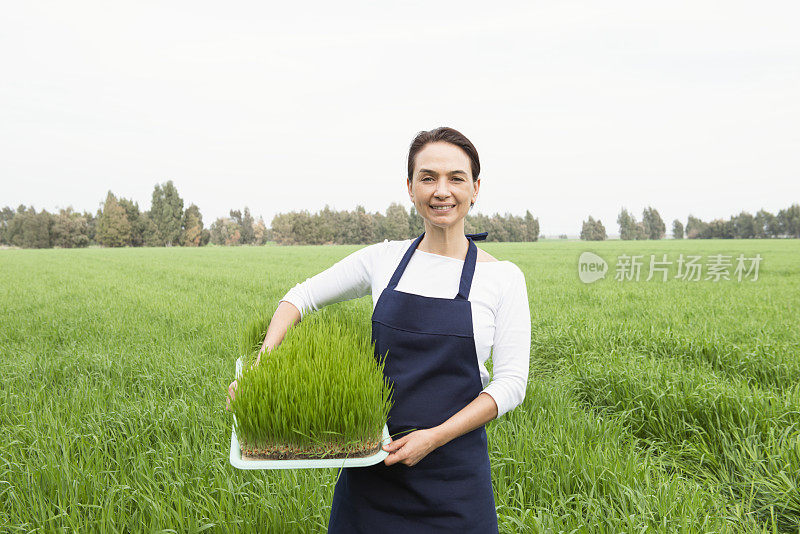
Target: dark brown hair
[{"x": 448, "y": 135}]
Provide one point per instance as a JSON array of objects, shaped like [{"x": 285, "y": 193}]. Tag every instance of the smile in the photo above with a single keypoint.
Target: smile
[{"x": 443, "y": 208}]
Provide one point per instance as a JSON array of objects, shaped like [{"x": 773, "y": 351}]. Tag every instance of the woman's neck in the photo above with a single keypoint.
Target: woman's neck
[{"x": 445, "y": 241}]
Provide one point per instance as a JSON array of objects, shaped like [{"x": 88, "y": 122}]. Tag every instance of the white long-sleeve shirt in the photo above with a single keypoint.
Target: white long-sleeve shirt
[{"x": 499, "y": 298}]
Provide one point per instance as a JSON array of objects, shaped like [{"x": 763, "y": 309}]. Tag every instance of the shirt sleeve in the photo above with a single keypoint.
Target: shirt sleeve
[
  {"x": 511, "y": 350},
  {"x": 349, "y": 278}
]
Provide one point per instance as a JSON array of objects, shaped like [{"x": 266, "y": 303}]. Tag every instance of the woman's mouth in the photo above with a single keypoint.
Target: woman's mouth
[{"x": 443, "y": 209}]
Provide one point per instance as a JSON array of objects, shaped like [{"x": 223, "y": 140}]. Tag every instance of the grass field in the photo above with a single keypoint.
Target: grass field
[{"x": 652, "y": 406}]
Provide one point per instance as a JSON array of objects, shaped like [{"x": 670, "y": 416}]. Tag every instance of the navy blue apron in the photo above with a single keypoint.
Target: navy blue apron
[{"x": 433, "y": 366}]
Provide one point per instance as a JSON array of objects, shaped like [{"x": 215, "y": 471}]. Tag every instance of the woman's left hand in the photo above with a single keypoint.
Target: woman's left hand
[{"x": 412, "y": 447}]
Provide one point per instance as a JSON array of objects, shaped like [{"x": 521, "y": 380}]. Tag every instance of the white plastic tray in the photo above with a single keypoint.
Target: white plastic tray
[{"x": 336, "y": 463}]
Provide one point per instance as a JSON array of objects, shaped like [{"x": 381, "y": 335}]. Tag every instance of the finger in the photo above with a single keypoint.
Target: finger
[
  {"x": 393, "y": 458},
  {"x": 396, "y": 444},
  {"x": 390, "y": 447}
]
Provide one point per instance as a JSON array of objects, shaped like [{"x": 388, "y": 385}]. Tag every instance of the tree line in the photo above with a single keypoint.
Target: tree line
[
  {"x": 119, "y": 222},
  {"x": 361, "y": 227},
  {"x": 762, "y": 225}
]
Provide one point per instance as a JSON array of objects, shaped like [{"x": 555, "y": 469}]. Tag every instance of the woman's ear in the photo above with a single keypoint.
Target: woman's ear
[{"x": 410, "y": 194}]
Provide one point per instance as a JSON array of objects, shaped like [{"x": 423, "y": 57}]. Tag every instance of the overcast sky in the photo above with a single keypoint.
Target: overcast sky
[{"x": 576, "y": 108}]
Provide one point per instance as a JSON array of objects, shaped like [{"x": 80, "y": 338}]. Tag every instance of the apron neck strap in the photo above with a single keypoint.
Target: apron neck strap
[
  {"x": 477, "y": 237},
  {"x": 467, "y": 272}
]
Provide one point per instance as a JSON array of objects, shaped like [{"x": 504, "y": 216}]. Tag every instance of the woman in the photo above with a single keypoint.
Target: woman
[{"x": 442, "y": 305}]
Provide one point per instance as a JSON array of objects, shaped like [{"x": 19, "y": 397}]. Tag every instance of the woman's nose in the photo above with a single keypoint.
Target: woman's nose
[{"x": 441, "y": 189}]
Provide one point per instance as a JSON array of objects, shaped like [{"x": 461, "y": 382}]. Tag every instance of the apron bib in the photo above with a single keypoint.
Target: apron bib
[{"x": 433, "y": 367}]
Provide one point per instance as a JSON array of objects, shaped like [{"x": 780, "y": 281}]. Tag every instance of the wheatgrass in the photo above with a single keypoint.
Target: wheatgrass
[{"x": 320, "y": 393}]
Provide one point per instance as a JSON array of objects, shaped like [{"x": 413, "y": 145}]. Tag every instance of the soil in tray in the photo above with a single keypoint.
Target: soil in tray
[{"x": 317, "y": 453}]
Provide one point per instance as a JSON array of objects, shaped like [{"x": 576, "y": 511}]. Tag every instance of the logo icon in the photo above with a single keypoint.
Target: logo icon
[{"x": 591, "y": 267}]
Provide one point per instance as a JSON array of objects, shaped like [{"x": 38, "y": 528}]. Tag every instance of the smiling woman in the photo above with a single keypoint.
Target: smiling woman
[
  {"x": 441, "y": 307},
  {"x": 438, "y": 478},
  {"x": 443, "y": 184}
]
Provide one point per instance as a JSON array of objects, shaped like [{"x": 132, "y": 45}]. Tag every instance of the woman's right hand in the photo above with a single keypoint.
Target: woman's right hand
[
  {"x": 286, "y": 316},
  {"x": 235, "y": 384},
  {"x": 231, "y": 394}
]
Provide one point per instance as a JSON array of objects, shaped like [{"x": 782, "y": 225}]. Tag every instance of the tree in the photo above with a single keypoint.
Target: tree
[
  {"x": 113, "y": 227},
  {"x": 627, "y": 225},
  {"x": 789, "y": 221},
  {"x": 260, "y": 232},
  {"x": 593, "y": 230},
  {"x": 69, "y": 230},
  {"x": 281, "y": 229},
  {"x": 348, "y": 226},
  {"x": 416, "y": 224},
  {"x": 695, "y": 228},
  {"x": 225, "y": 231},
  {"x": 641, "y": 231},
  {"x": 28, "y": 229},
  {"x": 600, "y": 231},
  {"x": 325, "y": 228},
  {"x": 192, "y": 227},
  {"x": 497, "y": 229},
  {"x": 248, "y": 232},
  {"x": 366, "y": 226},
  {"x": 516, "y": 227},
  {"x": 138, "y": 225},
  {"x": 91, "y": 225},
  {"x": 245, "y": 225},
  {"x": 763, "y": 224},
  {"x": 531, "y": 227},
  {"x": 151, "y": 237},
  {"x": 743, "y": 226},
  {"x": 6, "y": 215},
  {"x": 13, "y": 229},
  {"x": 166, "y": 212},
  {"x": 654, "y": 227},
  {"x": 478, "y": 222},
  {"x": 774, "y": 226},
  {"x": 719, "y": 229},
  {"x": 395, "y": 224},
  {"x": 677, "y": 229}
]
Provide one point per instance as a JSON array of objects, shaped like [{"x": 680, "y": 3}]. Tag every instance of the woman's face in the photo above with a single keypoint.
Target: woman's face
[{"x": 442, "y": 177}]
